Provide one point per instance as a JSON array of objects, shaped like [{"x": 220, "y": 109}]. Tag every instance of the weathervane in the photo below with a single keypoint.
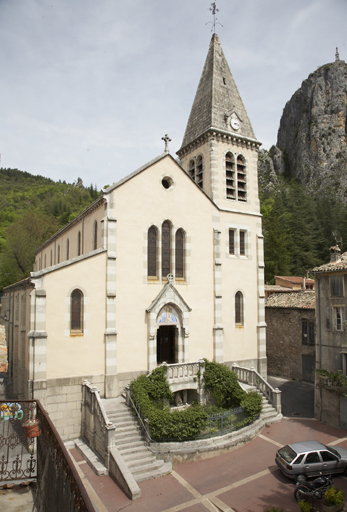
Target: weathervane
[{"x": 214, "y": 9}]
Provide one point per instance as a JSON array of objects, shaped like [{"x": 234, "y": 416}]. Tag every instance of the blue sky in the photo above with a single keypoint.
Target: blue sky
[{"x": 88, "y": 88}]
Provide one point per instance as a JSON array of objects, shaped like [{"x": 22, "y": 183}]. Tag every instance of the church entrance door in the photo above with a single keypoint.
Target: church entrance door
[{"x": 166, "y": 344}]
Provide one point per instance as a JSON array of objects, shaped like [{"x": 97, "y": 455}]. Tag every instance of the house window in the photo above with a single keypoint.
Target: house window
[
  {"x": 67, "y": 249},
  {"x": 239, "y": 308},
  {"x": 166, "y": 249},
  {"x": 45, "y": 260},
  {"x": 339, "y": 320},
  {"x": 230, "y": 176},
  {"x": 242, "y": 243},
  {"x": 58, "y": 254},
  {"x": 241, "y": 179},
  {"x": 231, "y": 241},
  {"x": 95, "y": 235},
  {"x": 152, "y": 252},
  {"x": 179, "y": 253},
  {"x": 336, "y": 286},
  {"x": 79, "y": 244},
  {"x": 51, "y": 258},
  {"x": 307, "y": 329},
  {"x": 76, "y": 311}
]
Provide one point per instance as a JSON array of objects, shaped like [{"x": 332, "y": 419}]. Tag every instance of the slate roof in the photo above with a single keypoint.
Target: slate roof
[
  {"x": 334, "y": 266},
  {"x": 294, "y": 300},
  {"x": 216, "y": 97}
]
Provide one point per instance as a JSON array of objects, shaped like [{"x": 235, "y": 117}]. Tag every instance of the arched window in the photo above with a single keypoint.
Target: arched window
[
  {"x": 95, "y": 235},
  {"x": 76, "y": 311},
  {"x": 239, "y": 308},
  {"x": 199, "y": 172},
  {"x": 152, "y": 252},
  {"x": 58, "y": 254},
  {"x": 179, "y": 253},
  {"x": 79, "y": 244},
  {"x": 67, "y": 249},
  {"x": 192, "y": 169},
  {"x": 230, "y": 176},
  {"x": 241, "y": 179},
  {"x": 166, "y": 249}
]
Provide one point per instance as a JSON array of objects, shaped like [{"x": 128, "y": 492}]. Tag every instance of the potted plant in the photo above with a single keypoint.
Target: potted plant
[
  {"x": 31, "y": 428},
  {"x": 304, "y": 506},
  {"x": 334, "y": 498}
]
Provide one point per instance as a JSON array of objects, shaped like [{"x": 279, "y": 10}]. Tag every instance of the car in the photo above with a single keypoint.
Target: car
[{"x": 311, "y": 458}]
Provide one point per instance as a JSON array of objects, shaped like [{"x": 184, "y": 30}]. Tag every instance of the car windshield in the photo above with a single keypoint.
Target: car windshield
[
  {"x": 332, "y": 450},
  {"x": 287, "y": 453}
]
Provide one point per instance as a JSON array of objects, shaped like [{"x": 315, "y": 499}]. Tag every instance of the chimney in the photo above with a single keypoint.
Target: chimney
[
  {"x": 335, "y": 254},
  {"x": 304, "y": 283}
]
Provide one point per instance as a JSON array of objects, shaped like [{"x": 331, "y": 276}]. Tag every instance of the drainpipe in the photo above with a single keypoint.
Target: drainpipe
[{"x": 319, "y": 325}]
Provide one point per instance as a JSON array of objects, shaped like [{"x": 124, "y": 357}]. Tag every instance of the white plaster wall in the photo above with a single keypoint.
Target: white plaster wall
[{"x": 69, "y": 355}]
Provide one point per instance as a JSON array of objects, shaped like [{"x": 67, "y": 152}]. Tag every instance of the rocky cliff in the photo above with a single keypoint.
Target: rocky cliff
[{"x": 311, "y": 142}]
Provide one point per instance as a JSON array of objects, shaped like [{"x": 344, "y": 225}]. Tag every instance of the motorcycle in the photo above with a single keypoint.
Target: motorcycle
[{"x": 315, "y": 489}]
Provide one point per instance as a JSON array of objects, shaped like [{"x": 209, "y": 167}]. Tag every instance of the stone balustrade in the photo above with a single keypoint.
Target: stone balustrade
[{"x": 251, "y": 377}]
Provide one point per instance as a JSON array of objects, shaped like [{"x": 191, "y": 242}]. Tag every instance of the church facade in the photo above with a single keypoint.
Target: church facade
[{"x": 167, "y": 265}]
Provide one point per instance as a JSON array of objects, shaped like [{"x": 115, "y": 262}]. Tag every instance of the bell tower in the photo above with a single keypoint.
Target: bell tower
[{"x": 219, "y": 149}]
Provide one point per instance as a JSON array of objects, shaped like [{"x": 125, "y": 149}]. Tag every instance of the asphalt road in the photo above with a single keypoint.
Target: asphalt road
[{"x": 297, "y": 397}]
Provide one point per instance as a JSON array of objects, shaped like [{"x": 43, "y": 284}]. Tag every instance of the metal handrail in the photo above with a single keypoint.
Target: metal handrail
[{"x": 145, "y": 427}]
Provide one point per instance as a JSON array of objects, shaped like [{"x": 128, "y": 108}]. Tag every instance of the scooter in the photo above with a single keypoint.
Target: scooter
[{"x": 316, "y": 488}]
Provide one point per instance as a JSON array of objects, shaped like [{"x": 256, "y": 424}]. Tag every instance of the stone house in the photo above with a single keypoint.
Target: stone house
[
  {"x": 290, "y": 335},
  {"x": 167, "y": 265},
  {"x": 331, "y": 338}
]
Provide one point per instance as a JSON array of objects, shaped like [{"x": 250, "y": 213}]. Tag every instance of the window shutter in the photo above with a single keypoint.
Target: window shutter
[
  {"x": 328, "y": 318},
  {"x": 304, "y": 332}
]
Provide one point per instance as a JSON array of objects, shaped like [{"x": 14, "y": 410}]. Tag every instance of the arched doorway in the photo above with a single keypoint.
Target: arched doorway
[{"x": 167, "y": 335}]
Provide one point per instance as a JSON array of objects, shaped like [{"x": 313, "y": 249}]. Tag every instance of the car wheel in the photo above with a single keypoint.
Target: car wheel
[
  {"x": 301, "y": 478},
  {"x": 345, "y": 471},
  {"x": 300, "y": 493}
]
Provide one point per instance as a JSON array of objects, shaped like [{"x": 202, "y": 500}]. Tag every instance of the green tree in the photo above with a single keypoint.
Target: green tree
[{"x": 24, "y": 236}]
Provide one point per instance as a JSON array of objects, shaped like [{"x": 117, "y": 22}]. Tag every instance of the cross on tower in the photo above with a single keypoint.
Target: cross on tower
[{"x": 167, "y": 140}]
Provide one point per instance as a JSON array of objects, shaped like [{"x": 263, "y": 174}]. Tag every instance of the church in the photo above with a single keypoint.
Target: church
[{"x": 166, "y": 265}]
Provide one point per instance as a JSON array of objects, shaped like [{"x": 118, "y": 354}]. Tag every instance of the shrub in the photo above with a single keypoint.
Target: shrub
[
  {"x": 274, "y": 509},
  {"x": 223, "y": 385},
  {"x": 334, "y": 496},
  {"x": 305, "y": 507}
]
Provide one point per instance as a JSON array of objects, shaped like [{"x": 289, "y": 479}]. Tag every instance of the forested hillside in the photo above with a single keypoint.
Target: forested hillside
[
  {"x": 298, "y": 227},
  {"x": 32, "y": 208}
]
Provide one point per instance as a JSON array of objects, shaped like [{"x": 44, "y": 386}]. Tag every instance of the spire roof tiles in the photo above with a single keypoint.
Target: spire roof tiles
[{"x": 216, "y": 99}]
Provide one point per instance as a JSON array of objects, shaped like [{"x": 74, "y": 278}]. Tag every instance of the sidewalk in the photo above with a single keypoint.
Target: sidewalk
[{"x": 245, "y": 479}]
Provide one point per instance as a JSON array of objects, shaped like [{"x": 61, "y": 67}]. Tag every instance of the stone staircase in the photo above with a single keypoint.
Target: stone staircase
[
  {"x": 130, "y": 444},
  {"x": 269, "y": 413}
]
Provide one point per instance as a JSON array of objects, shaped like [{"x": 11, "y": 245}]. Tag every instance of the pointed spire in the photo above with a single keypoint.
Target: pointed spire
[{"x": 217, "y": 104}]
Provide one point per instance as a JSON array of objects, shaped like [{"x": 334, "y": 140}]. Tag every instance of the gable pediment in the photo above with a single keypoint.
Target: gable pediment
[{"x": 168, "y": 294}]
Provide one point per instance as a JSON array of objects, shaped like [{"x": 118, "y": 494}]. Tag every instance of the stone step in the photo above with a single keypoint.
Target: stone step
[
  {"x": 127, "y": 439},
  {"x": 136, "y": 465},
  {"x": 147, "y": 467},
  {"x": 139, "y": 454},
  {"x": 130, "y": 447},
  {"x": 163, "y": 470}
]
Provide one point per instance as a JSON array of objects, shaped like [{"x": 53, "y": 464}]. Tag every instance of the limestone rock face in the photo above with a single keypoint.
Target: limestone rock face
[{"x": 312, "y": 132}]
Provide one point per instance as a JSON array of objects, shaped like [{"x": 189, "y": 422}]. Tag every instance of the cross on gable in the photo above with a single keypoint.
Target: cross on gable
[{"x": 167, "y": 140}]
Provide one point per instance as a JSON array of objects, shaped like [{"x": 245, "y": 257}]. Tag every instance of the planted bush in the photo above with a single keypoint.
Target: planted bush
[{"x": 153, "y": 395}]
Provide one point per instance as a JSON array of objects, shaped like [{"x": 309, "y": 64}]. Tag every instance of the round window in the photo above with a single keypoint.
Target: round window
[{"x": 167, "y": 182}]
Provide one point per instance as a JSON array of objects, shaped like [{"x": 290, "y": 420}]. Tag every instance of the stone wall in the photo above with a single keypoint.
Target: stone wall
[
  {"x": 62, "y": 399},
  {"x": 284, "y": 346}
]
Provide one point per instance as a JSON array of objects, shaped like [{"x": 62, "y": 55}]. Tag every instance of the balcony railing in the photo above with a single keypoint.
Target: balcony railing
[{"x": 43, "y": 458}]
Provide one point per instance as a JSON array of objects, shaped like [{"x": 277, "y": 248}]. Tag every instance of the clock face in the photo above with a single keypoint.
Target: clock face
[{"x": 235, "y": 123}]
